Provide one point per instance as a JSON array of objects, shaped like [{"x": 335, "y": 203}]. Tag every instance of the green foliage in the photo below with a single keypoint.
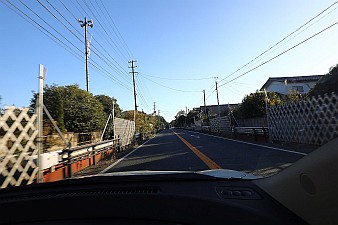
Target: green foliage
[
  {"x": 82, "y": 111},
  {"x": 254, "y": 105},
  {"x": 327, "y": 84},
  {"x": 190, "y": 116},
  {"x": 179, "y": 121},
  {"x": 107, "y": 103},
  {"x": 73, "y": 109},
  {"x": 144, "y": 122},
  {"x": 293, "y": 96}
]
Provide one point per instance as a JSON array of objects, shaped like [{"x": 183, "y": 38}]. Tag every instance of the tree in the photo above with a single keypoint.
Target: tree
[
  {"x": 80, "y": 111},
  {"x": 107, "y": 103},
  {"x": 190, "y": 116},
  {"x": 327, "y": 84},
  {"x": 145, "y": 122},
  {"x": 253, "y": 105}
]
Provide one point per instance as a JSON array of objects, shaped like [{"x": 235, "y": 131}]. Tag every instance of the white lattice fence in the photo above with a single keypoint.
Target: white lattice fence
[
  {"x": 222, "y": 124},
  {"x": 125, "y": 130},
  {"x": 17, "y": 135},
  {"x": 314, "y": 121}
]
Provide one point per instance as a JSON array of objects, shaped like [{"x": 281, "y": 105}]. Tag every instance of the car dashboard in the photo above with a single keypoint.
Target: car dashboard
[{"x": 155, "y": 199}]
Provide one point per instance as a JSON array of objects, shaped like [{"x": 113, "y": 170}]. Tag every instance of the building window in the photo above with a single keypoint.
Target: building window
[{"x": 298, "y": 88}]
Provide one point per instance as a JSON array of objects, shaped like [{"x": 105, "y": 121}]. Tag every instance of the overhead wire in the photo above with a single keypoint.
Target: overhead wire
[
  {"x": 107, "y": 25},
  {"x": 42, "y": 29},
  {"x": 104, "y": 29},
  {"x": 65, "y": 46},
  {"x": 50, "y": 26},
  {"x": 300, "y": 32},
  {"x": 178, "y": 79},
  {"x": 174, "y": 89},
  {"x": 111, "y": 19},
  {"x": 65, "y": 17},
  {"x": 142, "y": 98},
  {"x": 48, "y": 10},
  {"x": 106, "y": 61},
  {"x": 307, "y": 39},
  {"x": 68, "y": 10},
  {"x": 299, "y": 28},
  {"x": 141, "y": 83}
]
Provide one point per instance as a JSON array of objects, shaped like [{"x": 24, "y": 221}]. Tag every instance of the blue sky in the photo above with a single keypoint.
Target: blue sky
[{"x": 180, "y": 40}]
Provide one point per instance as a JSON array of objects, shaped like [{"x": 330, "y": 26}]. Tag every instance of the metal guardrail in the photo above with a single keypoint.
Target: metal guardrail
[
  {"x": 68, "y": 157},
  {"x": 253, "y": 131}
]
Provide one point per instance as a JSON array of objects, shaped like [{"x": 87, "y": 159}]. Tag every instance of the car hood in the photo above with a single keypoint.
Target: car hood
[{"x": 216, "y": 173}]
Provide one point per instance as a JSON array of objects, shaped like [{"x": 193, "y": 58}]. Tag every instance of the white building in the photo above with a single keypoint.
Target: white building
[{"x": 283, "y": 85}]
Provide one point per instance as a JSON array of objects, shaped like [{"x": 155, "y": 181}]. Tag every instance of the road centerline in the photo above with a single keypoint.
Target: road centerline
[{"x": 209, "y": 162}]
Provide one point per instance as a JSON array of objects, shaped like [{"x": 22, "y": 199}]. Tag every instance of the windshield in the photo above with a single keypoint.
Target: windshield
[{"x": 92, "y": 87}]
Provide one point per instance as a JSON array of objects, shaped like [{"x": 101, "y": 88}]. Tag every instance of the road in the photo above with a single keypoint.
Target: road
[{"x": 182, "y": 150}]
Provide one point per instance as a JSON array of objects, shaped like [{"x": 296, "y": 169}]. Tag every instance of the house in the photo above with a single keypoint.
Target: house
[
  {"x": 283, "y": 85},
  {"x": 212, "y": 110}
]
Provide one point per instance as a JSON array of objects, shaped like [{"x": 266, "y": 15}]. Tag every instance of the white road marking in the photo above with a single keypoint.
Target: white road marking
[
  {"x": 195, "y": 136},
  {"x": 243, "y": 142},
  {"x": 124, "y": 157}
]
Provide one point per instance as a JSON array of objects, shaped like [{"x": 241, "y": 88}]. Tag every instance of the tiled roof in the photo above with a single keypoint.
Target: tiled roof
[{"x": 291, "y": 79}]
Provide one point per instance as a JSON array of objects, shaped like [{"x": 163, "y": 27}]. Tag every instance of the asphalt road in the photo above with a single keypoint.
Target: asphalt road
[{"x": 182, "y": 150}]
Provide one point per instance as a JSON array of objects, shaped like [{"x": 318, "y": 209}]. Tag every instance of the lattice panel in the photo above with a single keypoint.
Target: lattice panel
[
  {"x": 222, "y": 124},
  {"x": 125, "y": 130},
  {"x": 17, "y": 136},
  {"x": 314, "y": 121}
]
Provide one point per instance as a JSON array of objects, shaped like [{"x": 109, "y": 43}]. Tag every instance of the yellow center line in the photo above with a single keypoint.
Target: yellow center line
[{"x": 211, "y": 164}]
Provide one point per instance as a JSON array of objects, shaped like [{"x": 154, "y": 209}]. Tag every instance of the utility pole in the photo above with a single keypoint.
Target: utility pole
[
  {"x": 219, "y": 112},
  {"x": 133, "y": 73},
  {"x": 154, "y": 113},
  {"x": 159, "y": 121},
  {"x": 186, "y": 114},
  {"x": 267, "y": 114},
  {"x": 85, "y": 24},
  {"x": 205, "y": 106},
  {"x": 113, "y": 112},
  {"x": 42, "y": 74}
]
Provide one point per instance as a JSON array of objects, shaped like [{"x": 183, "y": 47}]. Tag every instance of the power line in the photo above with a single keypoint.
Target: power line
[
  {"x": 144, "y": 87},
  {"x": 68, "y": 10},
  {"x": 104, "y": 22},
  {"x": 121, "y": 71},
  {"x": 174, "y": 89},
  {"x": 119, "y": 33},
  {"x": 107, "y": 74},
  {"x": 105, "y": 31},
  {"x": 179, "y": 79},
  {"x": 142, "y": 98},
  {"x": 49, "y": 25},
  {"x": 66, "y": 18},
  {"x": 280, "y": 41},
  {"x": 42, "y": 29},
  {"x": 280, "y": 54},
  {"x": 110, "y": 64},
  {"x": 63, "y": 45}
]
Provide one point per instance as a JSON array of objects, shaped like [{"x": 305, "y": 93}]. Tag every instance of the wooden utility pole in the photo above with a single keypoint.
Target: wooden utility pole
[
  {"x": 205, "y": 105},
  {"x": 133, "y": 73},
  {"x": 219, "y": 112}
]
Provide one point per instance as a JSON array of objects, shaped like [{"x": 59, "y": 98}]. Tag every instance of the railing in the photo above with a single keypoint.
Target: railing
[
  {"x": 64, "y": 163},
  {"x": 256, "y": 132}
]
